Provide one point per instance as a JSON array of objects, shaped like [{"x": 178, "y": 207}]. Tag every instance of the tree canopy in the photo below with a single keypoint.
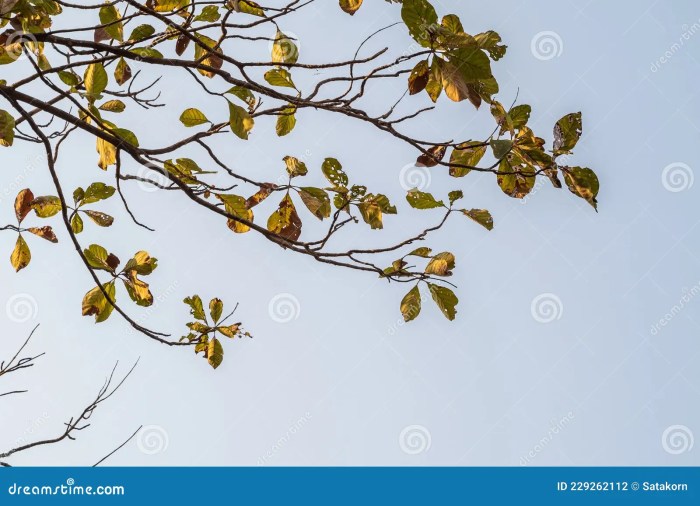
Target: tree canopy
[{"x": 77, "y": 66}]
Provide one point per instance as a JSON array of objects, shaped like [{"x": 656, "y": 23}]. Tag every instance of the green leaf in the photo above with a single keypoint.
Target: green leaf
[
  {"x": 411, "y": 304},
  {"x": 141, "y": 32},
  {"x": 142, "y": 263},
  {"x": 193, "y": 117},
  {"x": 582, "y": 182},
  {"x": 46, "y": 206},
  {"x": 279, "y": 77},
  {"x": 21, "y": 256},
  {"x": 445, "y": 299},
  {"x": 468, "y": 153},
  {"x": 286, "y": 121},
  {"x": 210, "y": 14},
  {"x": 441, "y": 264},
  {"x": 516, "y": 181},
  {"x": 98, "y": 258},
  {"x": 69, "y": 77},
  {"x": 501, "y": 148},
  {"x": 237, "y": 206},
  {"x": 567, "y": 132},
  {"x": 455, "y": 195},
  {"x": 422, "y": 200},
  {"x": 196, "y": 307},
  {"x": 481, "y": 216},
  {"x": 317, "y": 201},
  {"x": 96, "y": 80},
  {"x": 420, "y": 18},
  {"x": 519, "y": 116},
  {"x": 7, "y": 128},
  {"x": 95, "y": 192},
  {"x": 472, "y": 63},
  {"x": 216, "y": 307},
  {"x": 244, "y": 94},
  {"x": 491, "y": 41},
  {"x": 241, "y": 122},
  {"x": 147, "y": 52},
  {"x": 113, "y": 106},
  {"x": 138, "y": 290},
  {"x": 111, "y": 21},
  {"x": 421, "y": 252},
  {"x": 122, "y": 72},
  {"x": 295, "y": 167},
  {"x": 334, "y": 173},
  {"x": 76, "y": 224},
  {"x": 95, "y": 303}
]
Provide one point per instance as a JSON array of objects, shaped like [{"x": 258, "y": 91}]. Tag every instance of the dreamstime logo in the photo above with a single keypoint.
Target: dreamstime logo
[
  {"x": 688, "y": 32},
  {"x": 677, "y": 177},
  {"x": 283, "y": 308},
  {"x": 546, "y": 45},
  {"x": 21, "y": 308},
  {"x": 287, "y": 44},
  {"x": 415, "y": 439},
  {"x": 412, "y": 176},
  {"x": 150, "y": 178},
  {"x": 152, "y": 439},
  {"x": 13, "y": 43},
  {"x": 546, "y": 308},
  {"x": 677, "y": 439}
]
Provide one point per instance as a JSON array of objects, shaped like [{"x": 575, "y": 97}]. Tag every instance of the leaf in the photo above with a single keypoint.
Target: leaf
[
  {"x": 7, "y": 128},
  {"x": 285, "y": 221},
  {"x": 244, "y": 94},
  {"x": 258, "y": 196},
  {"x": 434, "y": 86},
  {"x": 445, "y": 299},
  {"x": 279, "y": 77},
  {"x": 47, "y": 206},
  {"x": 501, "y": 148},
  {"x": 411, "y": 304},
  {"x": 138, "y": 290},
  {"x": 455, "y": 195},
  {"x": 141, "y": 32},
  {"x": 96, "y": 80},
  {"x": 113, "y": 106},
  {"x": 317, "y": 201},
  {"x": 215, "y": 353},
  {"x": 420, "y": 17},
  {"x": 193, "y": 117},
  {"x": 97, "y": 256},
  {"x": 468, "y": 153},
  {"x": 210, "y": 14},
  {"x": 237, "y": 206},
  {"x": 350, "y": 6},
  {"x": 241, "y": 122},
  {"x": 142, "y": 263},
  {"x": 216, "y": 307},
  {"x": 229, "y": 330},
  {"x": 519, "y": 115},
  {"x": 111, "y": 21},
  {"x": 421, "y": 252},
  {"x": 44, "y": 232},
  {"x": 122, "y": 72},
  {"x": 434, "y": 156},
  {"x": 422, "y": 200},
  {"x": 567, "y": 132},
  {"x": 420, "y": 75},
  {"x": 284, "y": 50},
  {"x": 196, "y": 307},
  {"x": 441, "y": 264},
  {"x": 472, "y": 63},
  {"x": 286, "y": 121},
  {"x": 372, "y": 209},
  {"x": 21, "y": 256},
  {"x": 205, "y": 54},
  {"x": 107, "y": 153},
  {"x": 76, "y": 224},
  {"x": 334, "y": 173},
  {"x": 517, "y": 181},
  {"x": 452, "y": 81},
  {"x": 96, "y": 192},
  {"x": 582, "y": 182},
  {"x": 490, "y": 41},
  {"x": 23, "y": 204},
  {"x": 481, "y": 216},
  {"x": 101, "y": 219},
  {"x": 69, "y": 77},
  {"x": 295, "y": 167},
  {"x": 95, "y": 303}
]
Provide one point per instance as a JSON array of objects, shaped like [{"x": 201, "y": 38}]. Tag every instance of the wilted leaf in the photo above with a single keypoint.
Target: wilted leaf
[
  {"x": 419, "y": 77},
  {"x": 44, "y": 232},
  {"x": 441, "y": 264},
  {"x": 481, "y": 216},
  {"x": 95, "y": 303},
  {"x": 411, "y": 304},
  {"x": 582, "y": 182},
  {"x": 567, "y": 132},
  {"x": 334, "y": 173},
  {"x": 434, "y": 156},
  {"x": 196, "y": 307},
  {"x": 350, "y": 6},
  {"x": 285, "y": 221},
  {"x": 468, "y": 153},
  {"x": 295, "y": 167},
  {"x": 101, "y": 219},
  {"x": 23, "y": 204},
  {"x": 317, "y": 201},
  {"x": 47, "y": 206}
]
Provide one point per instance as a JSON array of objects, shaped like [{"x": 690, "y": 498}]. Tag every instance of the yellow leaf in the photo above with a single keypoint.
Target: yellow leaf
[{"x": 21, "y": 256}]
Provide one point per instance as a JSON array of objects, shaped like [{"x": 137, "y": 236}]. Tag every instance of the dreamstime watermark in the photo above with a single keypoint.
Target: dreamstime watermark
[
  {"x": 413, "y": 176},
  {"x": 16, "y": 43},
  {"x": 152, "y": 439},
  {"x": 546, "y": 307},
  {"x": 32, "y": 428},
  {"x": 11, "y": 190},
  {"x": 412, "y": 312},
  {"x": 688, "y": 32},
  {"x": 677, "y": 177},
  {"x": 292, "y": 431},
  {"x": 688, "y": 295},
  {"x": 415, "y": 439},
  {"x": 150, "y": 178},
  {"x": 21, "y": 307},
  {"x": 283, "y": 308},
  {"x": 555, "y": 428},
  {"x": 546, "y": 45},
  {"x": 69, "y": 488},
  {"x": 157, "y": 301},
  {"x": 677, "y": 439},
  {"x": 286, "y": 46}
]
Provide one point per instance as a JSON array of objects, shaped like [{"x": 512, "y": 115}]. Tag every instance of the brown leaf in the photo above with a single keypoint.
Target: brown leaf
[
  {"x": 113, "y": 261},
  {"x": 44, "y": 232},
  {"x": 437, "y": 153},
  {"x": 181, "y": 45},
  {"x": 23, "y": 204}
]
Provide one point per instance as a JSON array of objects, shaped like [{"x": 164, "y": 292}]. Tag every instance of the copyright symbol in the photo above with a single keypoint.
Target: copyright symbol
[
  {"x": 70, "y": 481},
  {"x": 635, "y": 486}
]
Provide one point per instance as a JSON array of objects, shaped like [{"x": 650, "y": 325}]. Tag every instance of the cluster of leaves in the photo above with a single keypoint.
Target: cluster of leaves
[
  {"x": 203, "y": 332},
  {"x": 43, "y": 207}
]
